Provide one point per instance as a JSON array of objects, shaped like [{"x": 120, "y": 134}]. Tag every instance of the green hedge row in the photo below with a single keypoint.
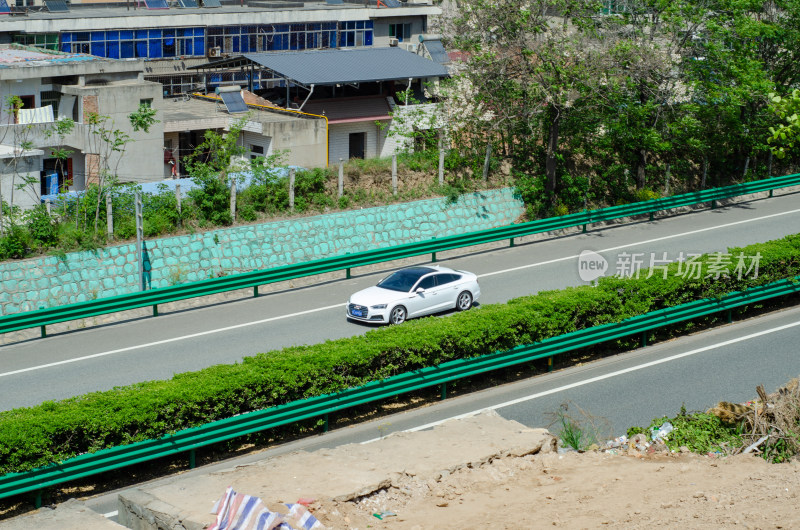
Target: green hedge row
[{"x": 53, "y": 431}]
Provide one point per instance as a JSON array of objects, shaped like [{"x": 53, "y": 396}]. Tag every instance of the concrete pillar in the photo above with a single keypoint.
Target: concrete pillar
[
  {"x": 394, "y": 174},
  {"x": 291, "y": 189},
  {"x": 109, "y": 218},
  {"x": 233, "y": 201},
  {"x": 341, "y": 177},
  {"x": 441, "y": 157}
]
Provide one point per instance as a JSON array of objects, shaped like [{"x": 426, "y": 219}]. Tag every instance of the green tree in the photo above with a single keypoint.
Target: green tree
[
  {"x": 108, "y": 145},
  {"x": 210, "y": 165},
  {"x": 784, "y": 135}
]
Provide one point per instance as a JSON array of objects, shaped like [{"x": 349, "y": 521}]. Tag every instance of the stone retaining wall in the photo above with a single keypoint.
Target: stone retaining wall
[{"x": 51, "y": 281}]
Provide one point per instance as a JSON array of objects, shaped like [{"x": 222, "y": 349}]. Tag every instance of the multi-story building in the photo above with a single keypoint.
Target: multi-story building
[{"x": 333, "y": 107}]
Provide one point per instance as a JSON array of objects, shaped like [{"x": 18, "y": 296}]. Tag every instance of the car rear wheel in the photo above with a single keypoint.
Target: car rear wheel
[
  {"x": 464, "y": 301},
  {"x": 398, "y": 315}
]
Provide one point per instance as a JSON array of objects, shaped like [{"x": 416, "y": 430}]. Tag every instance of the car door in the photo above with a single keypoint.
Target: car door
[
  {"x": 448, "y": 286},
  {"x": 425, "y": 302}
]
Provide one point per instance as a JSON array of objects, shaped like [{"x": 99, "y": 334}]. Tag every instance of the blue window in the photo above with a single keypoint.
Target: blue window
[{"x": 127, "y": 49}]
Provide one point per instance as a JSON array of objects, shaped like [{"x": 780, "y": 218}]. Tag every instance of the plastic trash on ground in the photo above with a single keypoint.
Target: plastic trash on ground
[{"x": 662, "y": 432}]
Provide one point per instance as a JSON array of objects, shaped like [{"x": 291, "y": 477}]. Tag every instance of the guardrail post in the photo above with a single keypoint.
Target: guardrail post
[
  {"x": 443, "y": 387},
  {"x": 433, "y": 257},
  {"x": 714, "y": 204},
  {"x": 37, "y": 499},
  {"x": 550, "y": 364},
  {"x": 43, "y": 327},
  {"x": 644, "y": 339},
  {"x": 347, "y": 270},
  {"x": 325, "y": 426},
  {"x": 255, "y": 291},
  {"x": 651, "y": 216},
  {"x": 770, "y": 193},
  {"x": 192, "y": 459},
  {"x": 511, "y": 242},
  {"x": 155, "y": 310},
  {"x": 730, "y": 316}
]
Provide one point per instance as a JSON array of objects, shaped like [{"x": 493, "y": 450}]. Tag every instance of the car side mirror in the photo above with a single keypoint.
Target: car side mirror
[{"x": 420, "y": 290}]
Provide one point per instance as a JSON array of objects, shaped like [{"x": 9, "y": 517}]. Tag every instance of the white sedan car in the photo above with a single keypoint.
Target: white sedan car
[{"x": 414, "y": 292}]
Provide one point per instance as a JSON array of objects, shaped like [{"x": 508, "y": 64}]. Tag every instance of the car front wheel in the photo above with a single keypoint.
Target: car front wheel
[
  {"x": 398, "y": 315},
  {"x": 464, "y": 301}
]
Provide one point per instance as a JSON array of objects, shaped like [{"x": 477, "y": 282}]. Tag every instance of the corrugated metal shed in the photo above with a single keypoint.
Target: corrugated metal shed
[{"x": 362, "y": 65}]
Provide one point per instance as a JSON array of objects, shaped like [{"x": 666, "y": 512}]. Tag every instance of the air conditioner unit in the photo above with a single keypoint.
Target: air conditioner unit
[
  {"x": 411, "y": 47},
  {"x": 393, "y": 42},
  {"x": 216, "y": 51}
]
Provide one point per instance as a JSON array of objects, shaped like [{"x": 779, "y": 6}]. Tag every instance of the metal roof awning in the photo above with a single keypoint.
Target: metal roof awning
[{"x": 333, "y": 67}]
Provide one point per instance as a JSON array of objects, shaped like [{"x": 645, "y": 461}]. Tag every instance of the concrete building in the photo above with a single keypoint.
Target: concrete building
[
  {"x": 110, "y": 57},
  {"x": 48, "y": 85}
]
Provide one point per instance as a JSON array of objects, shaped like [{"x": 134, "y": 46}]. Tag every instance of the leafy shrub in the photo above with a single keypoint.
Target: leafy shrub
[
  {"x": 41, "y": 226},
  {"x": 247, "y": 213},
  {"x": 645, "y": 194},
  {"x": 13, "y": 243}
]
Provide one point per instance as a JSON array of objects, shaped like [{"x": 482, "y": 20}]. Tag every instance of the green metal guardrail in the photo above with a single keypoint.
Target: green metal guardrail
[
  {"x": 320, "y": 406},
  {"x": 44, "y": 317}
]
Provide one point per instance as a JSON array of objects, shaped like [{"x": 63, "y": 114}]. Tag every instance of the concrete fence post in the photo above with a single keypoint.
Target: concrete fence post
[
  {"x": 341, "y": 177},
  {"x": 109, "y": 218},
  {"x": 441, "y": 157},
  {"x": 394, "y": 174},
  {"x": 291, "y": 188},
  {"x": 233, "y": 201},
  {"x": 48, "y": 206},
  {"x": 487, "y": 160},
  {"x": 178, "y": 199}
]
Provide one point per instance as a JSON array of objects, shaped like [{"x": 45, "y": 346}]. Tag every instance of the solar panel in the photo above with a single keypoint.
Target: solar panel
[
  {"x": 187, "y": 3},
  {"x": 4, "y": 9},
  {"x": 55, "y": 6},
  {"x": 211, "y": 3},
  {"x": 334, "y": 2},
  {"x": 156, "y": 4},
  {"x": 390, "y": 3},
  {"x": 233, "y": 102}
]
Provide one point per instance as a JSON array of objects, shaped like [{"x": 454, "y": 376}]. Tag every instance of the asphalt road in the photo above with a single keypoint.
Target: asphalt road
[
  {"x": 631, "y": 389},
  {"x": 100, "y": 358}
]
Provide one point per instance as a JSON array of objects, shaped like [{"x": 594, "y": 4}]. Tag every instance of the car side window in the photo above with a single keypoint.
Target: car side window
[
  {"x": 427, "y": 283},
  {"x": 444, "y": 279}
]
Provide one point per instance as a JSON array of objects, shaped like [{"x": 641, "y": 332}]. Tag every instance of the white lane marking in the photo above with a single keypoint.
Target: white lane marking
[
  {"x": 672, "y": 236},
  {"x": 167, "y": 341},
  {"x": 599, "y": 378},
  {"x": 109, "y": 515}
]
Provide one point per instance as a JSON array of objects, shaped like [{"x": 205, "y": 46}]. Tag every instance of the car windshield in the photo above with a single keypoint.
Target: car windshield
[{"x": 403, "y": 280}]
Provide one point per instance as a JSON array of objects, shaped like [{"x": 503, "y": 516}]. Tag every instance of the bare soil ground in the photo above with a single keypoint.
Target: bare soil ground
[{"x": 588, "y": 490}]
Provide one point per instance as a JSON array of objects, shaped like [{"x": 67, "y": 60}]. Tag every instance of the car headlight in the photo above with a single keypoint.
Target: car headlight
[{"x": 379, "y": 306}]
